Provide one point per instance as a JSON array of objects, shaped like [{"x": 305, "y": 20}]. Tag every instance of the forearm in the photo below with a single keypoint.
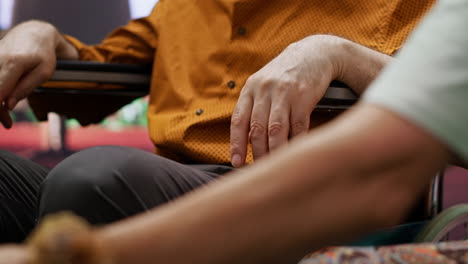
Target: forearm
[
  {"x": 64, "y": 50},
  {"x": 356, "y": 65},
  {"x": 328, "y": 187}
]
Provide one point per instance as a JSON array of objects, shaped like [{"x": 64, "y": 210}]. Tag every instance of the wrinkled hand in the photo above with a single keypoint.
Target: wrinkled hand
[
  {"x": 276, "y": 102},
  {"x": 13, "y": 254},
  {"x": 27, "y": 59}
]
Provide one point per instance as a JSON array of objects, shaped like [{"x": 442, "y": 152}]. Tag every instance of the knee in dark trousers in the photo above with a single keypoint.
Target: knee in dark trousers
[
  {"x": 106, "y": 184},
  {"x": 20, "y": 180}
]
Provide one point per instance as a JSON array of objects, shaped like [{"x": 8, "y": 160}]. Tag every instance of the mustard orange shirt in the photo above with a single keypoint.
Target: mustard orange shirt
[{"x": 203, "y": 51}]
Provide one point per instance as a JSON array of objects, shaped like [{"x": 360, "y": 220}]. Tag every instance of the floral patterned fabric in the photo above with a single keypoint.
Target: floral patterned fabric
[{"x": 450, "y": 252}]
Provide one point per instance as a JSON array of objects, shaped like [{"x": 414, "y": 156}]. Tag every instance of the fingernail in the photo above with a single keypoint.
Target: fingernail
[{"x": 236, "y": 160}]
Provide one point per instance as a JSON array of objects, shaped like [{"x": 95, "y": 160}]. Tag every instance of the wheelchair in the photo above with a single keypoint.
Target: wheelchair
[{"x": 90, "y": 83}]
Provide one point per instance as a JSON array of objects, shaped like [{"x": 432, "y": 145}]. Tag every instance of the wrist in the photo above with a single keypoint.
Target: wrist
[
  {"x": 338, "y": 51},
  {"x": 338, "y": 56},
  {"x": 358, "y": 65},
  {"x": 331, "y": 47},
  {"x": 65, "y": 50}
]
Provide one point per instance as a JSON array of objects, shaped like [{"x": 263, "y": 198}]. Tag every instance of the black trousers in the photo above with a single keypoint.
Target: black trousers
[
  {"x": 20, "y": 180},
  {"x": 101, "y": 184}
]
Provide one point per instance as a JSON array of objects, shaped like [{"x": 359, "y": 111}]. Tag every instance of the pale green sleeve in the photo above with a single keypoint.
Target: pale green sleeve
[{"x": 428, "y": 82}]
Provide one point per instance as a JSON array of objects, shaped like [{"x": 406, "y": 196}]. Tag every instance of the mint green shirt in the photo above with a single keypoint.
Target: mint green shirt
[{"x": 428, "y": 82}]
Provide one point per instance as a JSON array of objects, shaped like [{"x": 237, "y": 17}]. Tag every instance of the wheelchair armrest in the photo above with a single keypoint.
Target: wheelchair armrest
[
  {"x": 338, "y": 96},
  {"x": 126, "y": 79},
  {"x": 134, "y": 80}
]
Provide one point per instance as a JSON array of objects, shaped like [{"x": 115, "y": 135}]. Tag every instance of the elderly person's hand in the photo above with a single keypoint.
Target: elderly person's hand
[
  {"x": 276, "y": 102},
  {"x": 28, "y": 55}
]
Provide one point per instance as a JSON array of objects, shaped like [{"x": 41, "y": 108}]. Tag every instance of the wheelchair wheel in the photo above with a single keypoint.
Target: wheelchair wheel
[{"x": 451, "y": 224}]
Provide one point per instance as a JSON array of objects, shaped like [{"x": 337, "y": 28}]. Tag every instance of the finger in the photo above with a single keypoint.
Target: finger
[
  {"x": 299, "y": 120},
  {"x": 278, "y": 124},
  {"x": 240, "y": 122},
  {"x": 5, "y": 117},
  {"x": 9, "y": 75},
  {"x": 258, "y": 127},
  {"x": 29, "y": 82}
]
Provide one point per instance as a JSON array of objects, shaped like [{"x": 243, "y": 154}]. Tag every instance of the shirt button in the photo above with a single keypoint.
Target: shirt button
[
  {"x": 231, "y": 84},
  {"x": 241, "y": 31},
  {"x": 199, "y": 112}
]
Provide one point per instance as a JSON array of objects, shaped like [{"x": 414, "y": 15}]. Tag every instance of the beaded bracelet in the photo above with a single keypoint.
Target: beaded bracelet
[{"x": 65, "y": 239}]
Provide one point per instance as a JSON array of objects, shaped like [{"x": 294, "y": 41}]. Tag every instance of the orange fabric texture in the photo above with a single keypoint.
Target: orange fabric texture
[{"x": 203, "y": 51}]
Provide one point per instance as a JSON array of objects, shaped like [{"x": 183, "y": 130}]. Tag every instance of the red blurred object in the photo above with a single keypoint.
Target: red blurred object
[{"x": 30, "y": 140}]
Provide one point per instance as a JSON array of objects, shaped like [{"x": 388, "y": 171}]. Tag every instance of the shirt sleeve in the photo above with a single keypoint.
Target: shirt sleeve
[
  {"x": 134, "y": 43},
  {"x": 428, "y": 83}
]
